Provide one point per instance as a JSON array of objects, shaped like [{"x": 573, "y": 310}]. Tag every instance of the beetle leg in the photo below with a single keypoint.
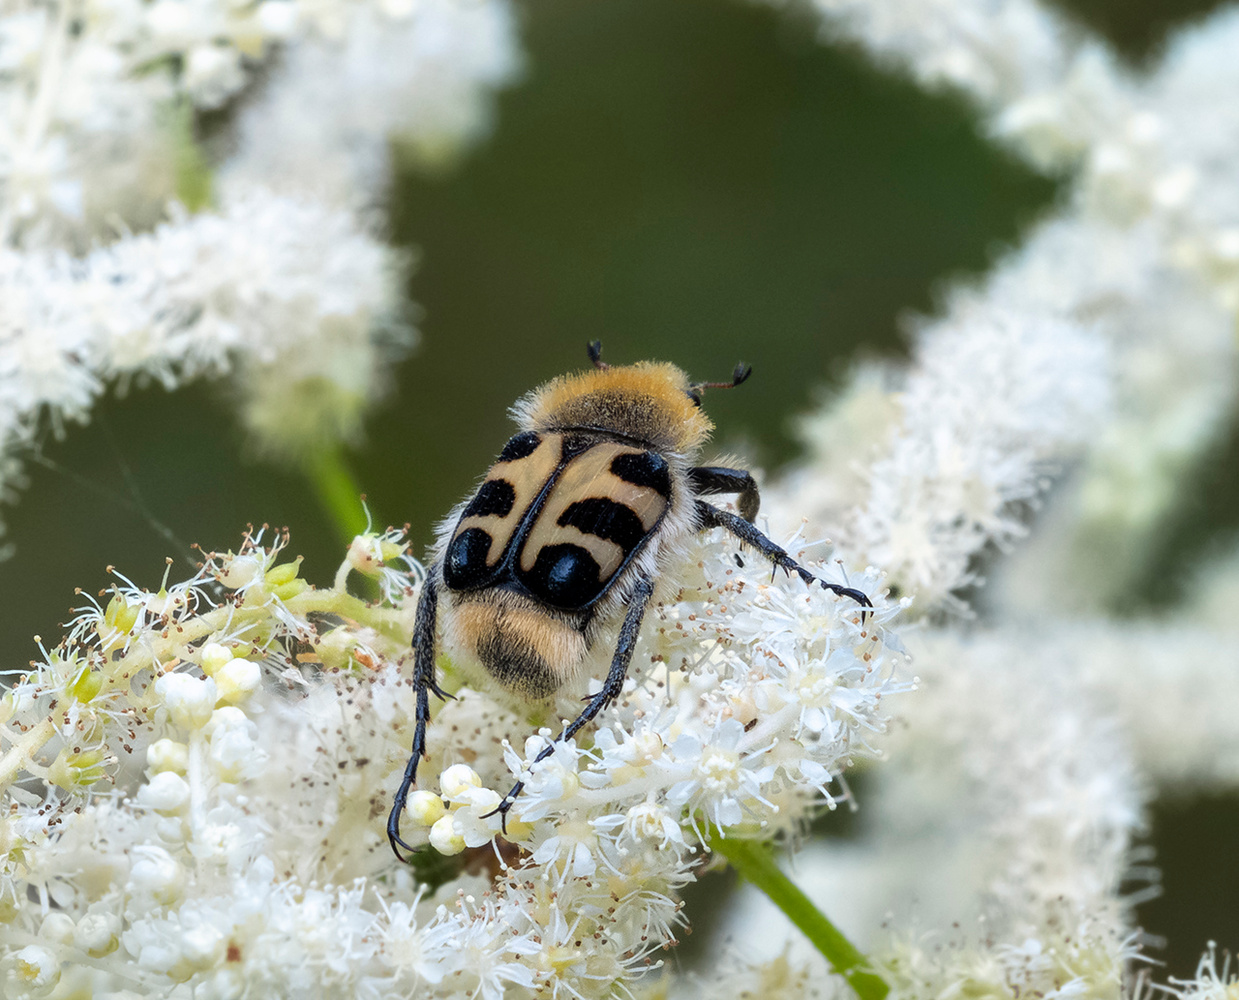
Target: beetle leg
[
  {"x": 611, "y": 687},
  {"x": 708, "y": 480},
  {"x": 709, "y": 516},
  {"x": 423, "y": 684}
]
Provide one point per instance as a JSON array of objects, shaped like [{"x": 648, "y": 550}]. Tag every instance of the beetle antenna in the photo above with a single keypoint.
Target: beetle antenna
[
  {"x": 594, "y": 350},
  {"x": 739, "y": 375}
]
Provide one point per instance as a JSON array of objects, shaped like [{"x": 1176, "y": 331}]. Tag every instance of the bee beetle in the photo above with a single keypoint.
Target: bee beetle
[{"x": 568, "y": 533}]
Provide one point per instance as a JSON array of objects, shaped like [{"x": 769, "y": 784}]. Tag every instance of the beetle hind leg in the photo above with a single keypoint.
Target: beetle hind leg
[{"x": 423, "y": 684}]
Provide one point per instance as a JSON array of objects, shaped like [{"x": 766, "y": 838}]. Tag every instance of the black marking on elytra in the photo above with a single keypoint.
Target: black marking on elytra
[
  {"x": 565, "y": 576},
  {"x": 646, "y": 468},
  {"x": 607, "y": 519},
  {"x": 495, "y": 496},
  {"x": 464, "y": 563},
  {"x": 521, "y": 446}
]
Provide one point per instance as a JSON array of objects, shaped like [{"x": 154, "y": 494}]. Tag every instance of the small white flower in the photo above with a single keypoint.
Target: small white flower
[
  {"x": 570, "y": 851},
  {"x": 458, "y": 780},
  {"x": 34, "y": 967},
  {"x": 444, "y": 838},
  {"x": 167, "y": 793},
  {"x": 652, "y": 822},
  {"x": 724, "y": 778},
  {"x": 424, "y": 808},
  {"x": 190, "y": 700},
  {"x": 156, "y": 874},
  {"x": 167, "y": 755},
  {"x": 475, "y": 815},
  {"x": 548, "y": 783},
  {"x": 237, "y": 679}
]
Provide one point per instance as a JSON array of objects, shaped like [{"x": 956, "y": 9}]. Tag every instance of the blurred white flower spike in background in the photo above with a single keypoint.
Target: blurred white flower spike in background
[
  {"x": 279, "y": 279},
  {"x": 195, "y": 777}
]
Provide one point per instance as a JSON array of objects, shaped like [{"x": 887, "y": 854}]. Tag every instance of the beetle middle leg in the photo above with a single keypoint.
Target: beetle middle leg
[
  {"x": 708, "y": 480},
  {"x": 709, "y": 516},
  {"x": 611, "y": 687}
]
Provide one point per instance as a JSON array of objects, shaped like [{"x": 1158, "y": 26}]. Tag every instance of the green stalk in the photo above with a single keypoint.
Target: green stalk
[
  {"x": 755, "y": 863},
  {"x": 338, "y": 492}
]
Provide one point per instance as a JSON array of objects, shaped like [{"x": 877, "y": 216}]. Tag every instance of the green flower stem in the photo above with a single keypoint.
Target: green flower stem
[
  {"x": 23, "y": 751},
  {"x": 338, "y": 492},
  {"x": 755, "y": 863},
  {"x": 189, "y": 160}
]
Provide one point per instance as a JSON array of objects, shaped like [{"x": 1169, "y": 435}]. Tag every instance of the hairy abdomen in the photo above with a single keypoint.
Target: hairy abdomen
[{"x": 526, "y": 651}]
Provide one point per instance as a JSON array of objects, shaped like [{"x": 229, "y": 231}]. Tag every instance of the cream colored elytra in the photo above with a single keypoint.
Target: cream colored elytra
[{"x": 582, "y": 424}]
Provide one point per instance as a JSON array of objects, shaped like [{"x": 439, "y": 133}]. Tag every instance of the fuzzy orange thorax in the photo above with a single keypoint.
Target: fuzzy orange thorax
[{"x": 649, "y": 400}]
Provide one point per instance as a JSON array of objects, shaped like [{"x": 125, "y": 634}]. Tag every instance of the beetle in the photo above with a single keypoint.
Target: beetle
[{"x": 568, "y": 533}]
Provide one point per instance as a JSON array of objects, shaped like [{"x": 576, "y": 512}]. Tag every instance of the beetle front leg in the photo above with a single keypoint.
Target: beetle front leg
[
  {"x": 709, "y": 516},
  {"x": 611, "y": 687}
]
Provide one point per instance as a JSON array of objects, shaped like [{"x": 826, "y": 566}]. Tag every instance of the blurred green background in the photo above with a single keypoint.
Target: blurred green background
[{"x": 698, "y": 181}]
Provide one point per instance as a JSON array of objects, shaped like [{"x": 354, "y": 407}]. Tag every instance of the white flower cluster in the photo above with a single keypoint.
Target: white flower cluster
[
  {"x": 758, "y": 694},
  {"x": 993, "y": 399},
  {"x": 279, "y": 280},
  {"x": 97, "y": 98},
  {"x": 418, "y": 71},
  {"x": 1142, "y": 261},
  {"x": 196, "y": 782},
  {"x": 997, "y": 852}
]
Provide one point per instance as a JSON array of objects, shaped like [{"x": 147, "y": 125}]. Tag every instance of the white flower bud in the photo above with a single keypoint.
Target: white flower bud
[
  {"x": 190, "y": 701},
  {"x": 234, "y": 754},
  {"x": 96, "y": 934},
  {"x": 457, "y": 778},
  {"x": 167, "y": 755},
  {"x": 213, "y": 656},
  {"x": 171, "y": 830},
  {"x": 225, "y": 719},
  {"x": 155, "y": 873},
  {"x": 363, "y": 554},
  {"x": 167, "y": 793},
  {"x": 158, "y": 956},
  {"x": 425, "y": 808},
  {"x": 202, "y": 946},
  {"x": 236, "y": 680},
  {"x": 58, "y": 927},
  {"x": 444, "y": 838},
  {"x": 241, "y": 571}
]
